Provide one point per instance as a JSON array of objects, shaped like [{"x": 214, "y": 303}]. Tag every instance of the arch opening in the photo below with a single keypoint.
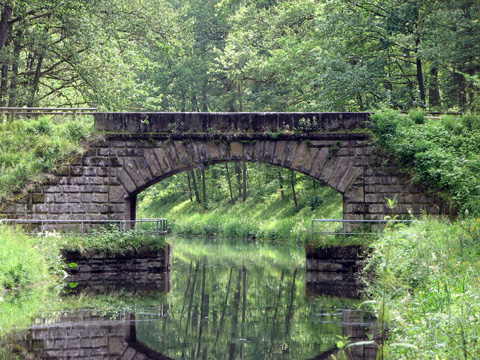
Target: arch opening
[{"x": 240, "y": 199}]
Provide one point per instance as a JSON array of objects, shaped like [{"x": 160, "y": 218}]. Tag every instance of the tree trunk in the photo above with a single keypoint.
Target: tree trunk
[
  {"x": 36, "y": 79},
  {"x": 204, "y": 187},
  {"x": 229, "y": 183},
  {"x": 461, "y": 91},
  {"x": 244, "y": 198},
  {"x": 238, "y": 172},
  {"x": 280, "y": 179},
  {"x": 7, "y": 12},
  {"x": 240, "y": 102},
  {"x": 195, "y": 188},
  {"x": 292, "y": 182},
  {"x": 421, "y": 85},
  {"x": 189, "y": 186},
  {"x": 290, "y": 307},
  {"x": 433, "y": 90},
  {"x": 14, "y": 77},
  {"x": 4, "y": 85}
]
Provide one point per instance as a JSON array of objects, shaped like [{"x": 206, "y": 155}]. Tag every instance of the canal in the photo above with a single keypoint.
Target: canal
[{"x": 222, "y": 299}]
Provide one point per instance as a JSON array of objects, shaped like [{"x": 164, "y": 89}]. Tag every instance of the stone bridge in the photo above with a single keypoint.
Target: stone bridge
[{"x": 138, "y": 150}]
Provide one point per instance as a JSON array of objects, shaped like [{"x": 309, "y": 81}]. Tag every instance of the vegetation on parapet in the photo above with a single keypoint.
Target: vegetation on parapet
[
  {"x": 442, "y": 154},
  {"x": 32, "y": 149}
]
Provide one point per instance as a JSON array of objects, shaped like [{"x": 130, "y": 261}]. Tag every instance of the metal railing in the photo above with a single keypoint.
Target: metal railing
[
  {"x": 351, "y": 227},
  {"x": 83, "y": 227},
  {"x": 37, "y": 111}
]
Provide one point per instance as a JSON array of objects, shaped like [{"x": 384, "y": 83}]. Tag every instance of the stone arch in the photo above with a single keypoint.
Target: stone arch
[{"x": 342, "y": 172}]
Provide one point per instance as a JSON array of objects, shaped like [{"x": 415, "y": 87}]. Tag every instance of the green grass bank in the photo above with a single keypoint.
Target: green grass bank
[
  {"x": 32, "y": 148},
  {"x": 423, "y": 280}
]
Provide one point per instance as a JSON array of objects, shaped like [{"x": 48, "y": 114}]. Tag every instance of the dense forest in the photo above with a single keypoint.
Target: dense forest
[{"x": 224, "y": 55}]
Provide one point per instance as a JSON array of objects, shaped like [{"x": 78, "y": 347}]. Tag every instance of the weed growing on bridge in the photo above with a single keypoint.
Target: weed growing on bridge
[{"x": 29, "y": 148}]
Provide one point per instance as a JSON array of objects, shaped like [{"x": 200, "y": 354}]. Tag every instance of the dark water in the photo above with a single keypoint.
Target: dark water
[{"x": 223, "y": 299}]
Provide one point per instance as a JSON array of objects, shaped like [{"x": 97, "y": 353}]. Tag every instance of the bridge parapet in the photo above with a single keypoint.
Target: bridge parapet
[{"x": 249, "y": 122}]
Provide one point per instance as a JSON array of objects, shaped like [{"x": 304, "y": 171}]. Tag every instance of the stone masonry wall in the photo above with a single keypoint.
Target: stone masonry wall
[
  {"x": 103, "y": 183},
  {"x": 86, "y": 336}
]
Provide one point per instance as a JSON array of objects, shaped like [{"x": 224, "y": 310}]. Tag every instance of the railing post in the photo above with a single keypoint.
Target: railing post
[{"x": 312, "y": 230}]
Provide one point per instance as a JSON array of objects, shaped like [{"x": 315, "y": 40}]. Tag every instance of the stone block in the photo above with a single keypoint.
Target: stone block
[
  {"x": 84, "y": 180},
  {"x": 350, "y": 177},
  {"x": 131, "y": 169},
  {"x": 236, "y": 150},
  {"x": 126, "y": 181},
  {"x": 99, "y": 198},
  {"x": 280, "y": 152},
  {"x": 319, "y": 163},
  {"x": 300, "y": 156},
  {"x": 338, "y": 173},
  {"x": 38, "y": 198},
  {"x": 76, "y": 208},
  {"x": 152, "y": 162},
  {"x": 269, "y": 151},
  {"x": 95, "y": 161},
  {"x": 94, "y": 171},
  {"x": 192, "y": 150},
  {"x": 308, "y": 164},
  {"x": 259, "y": 150},
  {"x": 116, "y": 194},
  {"x": 249, "y": 151}
]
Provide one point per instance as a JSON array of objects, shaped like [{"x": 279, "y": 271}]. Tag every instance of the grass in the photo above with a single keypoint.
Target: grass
[
  {"x": 26, "y": 260},
  {"x": 29, "y": 149},
  {"x": 424, "y": 279}
]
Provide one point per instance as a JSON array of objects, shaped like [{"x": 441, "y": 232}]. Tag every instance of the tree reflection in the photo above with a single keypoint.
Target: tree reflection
[{"x": 242, "y": 301}]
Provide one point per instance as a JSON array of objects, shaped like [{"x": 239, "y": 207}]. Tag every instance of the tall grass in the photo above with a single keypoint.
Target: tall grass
[
  {"x": 25, "y": 260},
  {"x": 426, "y": 277},
  {"x": 30, "y": 148}
]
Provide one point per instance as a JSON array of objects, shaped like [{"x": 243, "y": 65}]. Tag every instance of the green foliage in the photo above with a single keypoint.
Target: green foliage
[
  {"x": 286, "y": 55},
  {"x": 26, "y": 260},
  {"x": 427, "y": 275},
  {"x": 441, "y": 154},
  {"x": 111, "y": 240},
  {"x": 31, "y": 148},
  {"x": 307, "y": 124},
  {"x": 417, "y": 116}
]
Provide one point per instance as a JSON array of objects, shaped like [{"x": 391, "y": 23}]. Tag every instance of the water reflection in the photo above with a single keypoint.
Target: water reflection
[{"x": 224, "y": 299}]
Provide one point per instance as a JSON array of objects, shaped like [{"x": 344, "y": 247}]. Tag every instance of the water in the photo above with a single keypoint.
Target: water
[{"x": 223, "y": 299}]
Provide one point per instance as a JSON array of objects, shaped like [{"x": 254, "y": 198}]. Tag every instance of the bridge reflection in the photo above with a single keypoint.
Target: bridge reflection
[{"x": 88, "y": 334}]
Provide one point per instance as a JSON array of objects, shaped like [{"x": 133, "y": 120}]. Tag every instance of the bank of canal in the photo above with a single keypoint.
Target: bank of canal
[{"x": 222, "y": 299}]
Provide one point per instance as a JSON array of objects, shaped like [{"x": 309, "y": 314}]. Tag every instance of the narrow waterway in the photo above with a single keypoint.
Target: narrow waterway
[{"x": 222, "y": 299}]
